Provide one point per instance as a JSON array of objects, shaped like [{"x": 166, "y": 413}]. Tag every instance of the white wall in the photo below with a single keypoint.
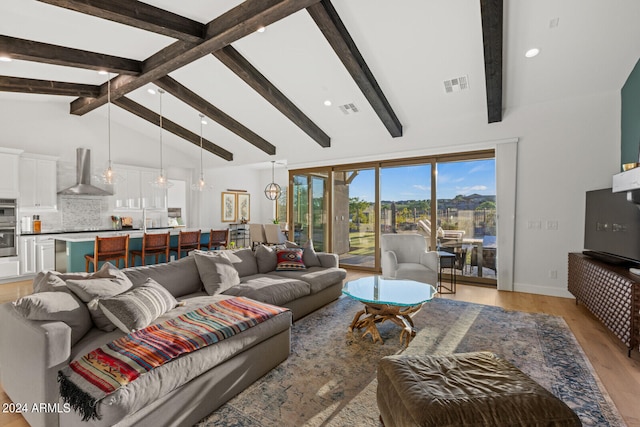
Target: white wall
[{"x": 48, "y": 128}]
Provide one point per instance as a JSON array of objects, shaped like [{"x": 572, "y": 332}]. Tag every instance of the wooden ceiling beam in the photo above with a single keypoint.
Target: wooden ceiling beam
[
  {"x": 46, "y": 53},
  {"x": 327, "y": 19},
  {"x": 203, "y": 106},
  {"x": 46, "y": 87},
  {"x": 137, "y": 14},
  {"x": 222, "y": 31},
  {"x": 492, "y": 29},
  {"x": 233, "y": 60},
  {"x": 154, "y": 118}
]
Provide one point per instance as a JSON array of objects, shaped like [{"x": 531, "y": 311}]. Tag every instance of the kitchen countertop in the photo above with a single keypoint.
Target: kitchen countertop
[
  {"x": 103, "y": 230},
  {"x": 133, "y": 233}
]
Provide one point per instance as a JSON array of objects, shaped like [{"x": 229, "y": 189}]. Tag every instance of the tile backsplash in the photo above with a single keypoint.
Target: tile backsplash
[{"x": 80, "y": 212}]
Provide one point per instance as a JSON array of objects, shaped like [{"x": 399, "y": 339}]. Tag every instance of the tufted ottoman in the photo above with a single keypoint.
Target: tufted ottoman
[{"x": 468, "y": 389}]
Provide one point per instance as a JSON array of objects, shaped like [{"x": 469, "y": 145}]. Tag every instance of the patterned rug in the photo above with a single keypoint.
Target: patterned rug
[{"x": 330, "y": 377}]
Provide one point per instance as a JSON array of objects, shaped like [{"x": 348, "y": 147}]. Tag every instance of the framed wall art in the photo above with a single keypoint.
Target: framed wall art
[
  {"x": 244, "y": 207},
  {"x": 228, "y": 207}
]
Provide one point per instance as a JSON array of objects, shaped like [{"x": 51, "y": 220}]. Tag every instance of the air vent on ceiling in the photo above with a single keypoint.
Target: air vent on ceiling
[
  {"x": 349, "y": 108},
  {"x": 456, "y": 85}
]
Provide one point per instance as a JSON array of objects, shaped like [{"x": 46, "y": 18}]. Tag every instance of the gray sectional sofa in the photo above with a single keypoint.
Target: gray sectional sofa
[{"x": 33, "y": 351}]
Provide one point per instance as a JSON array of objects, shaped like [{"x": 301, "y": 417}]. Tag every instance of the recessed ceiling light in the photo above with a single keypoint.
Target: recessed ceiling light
[
  {"x": 261, "y": 29},
  {"x": 203, "y": 121},
  {"x": 327, "y": 103},
  {"x": 102, "y": 72},
  {"x": 5, "y": 59},
  {"x": 151, "y": 90},
  {"x": 532, "y": 52}
]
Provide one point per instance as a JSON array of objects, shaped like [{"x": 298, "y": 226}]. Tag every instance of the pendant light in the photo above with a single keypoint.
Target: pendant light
[
  {"x": 161, "y": 180},
  {"x": 108, "y": 175},
  {"x": 201, "y": 185},
  {"x": 272, "y": 191}
]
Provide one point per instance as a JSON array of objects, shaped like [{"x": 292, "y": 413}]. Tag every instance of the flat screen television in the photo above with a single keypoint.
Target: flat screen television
[{"x": 612, "y": 228}]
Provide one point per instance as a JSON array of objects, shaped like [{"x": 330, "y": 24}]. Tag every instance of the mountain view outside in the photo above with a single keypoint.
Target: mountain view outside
[{"x": 466, "y": 207}]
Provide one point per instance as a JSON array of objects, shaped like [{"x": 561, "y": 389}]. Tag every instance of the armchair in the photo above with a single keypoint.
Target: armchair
[{"x": 405, "y": 256}]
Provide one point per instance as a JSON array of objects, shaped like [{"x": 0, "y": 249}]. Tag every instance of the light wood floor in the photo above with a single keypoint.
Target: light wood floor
[{"x": 619, "y": 374}]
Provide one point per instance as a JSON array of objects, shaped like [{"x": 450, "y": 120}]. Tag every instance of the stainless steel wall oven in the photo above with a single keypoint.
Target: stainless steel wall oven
[{"x": 8, "y": 241}]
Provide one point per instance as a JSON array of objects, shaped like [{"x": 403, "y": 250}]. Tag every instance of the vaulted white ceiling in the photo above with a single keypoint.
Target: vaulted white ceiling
[{"x": 411, "y": 47}]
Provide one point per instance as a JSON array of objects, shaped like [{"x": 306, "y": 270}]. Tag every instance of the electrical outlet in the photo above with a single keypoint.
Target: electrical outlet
[
  {"x": 552, "y": 225},
  {"x": 553, "y": 274},
  {"x": 534, "y": 225}
]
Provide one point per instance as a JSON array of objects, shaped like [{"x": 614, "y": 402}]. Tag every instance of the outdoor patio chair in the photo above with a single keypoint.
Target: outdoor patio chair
[{"x": 405, "y": 256}]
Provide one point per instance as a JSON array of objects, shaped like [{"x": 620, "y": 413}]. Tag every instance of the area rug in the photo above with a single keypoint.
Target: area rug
[{"x": 330, "y": 377}]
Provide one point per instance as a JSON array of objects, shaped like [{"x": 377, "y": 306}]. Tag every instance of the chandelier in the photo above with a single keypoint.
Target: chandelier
[{"x": 272, "y": 191}]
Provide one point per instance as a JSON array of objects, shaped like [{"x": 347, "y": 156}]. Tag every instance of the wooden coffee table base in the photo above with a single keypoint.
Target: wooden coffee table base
[{"x": 379, "y": 313}]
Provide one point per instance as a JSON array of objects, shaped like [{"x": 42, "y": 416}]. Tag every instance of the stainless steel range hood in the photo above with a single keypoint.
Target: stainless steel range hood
[{"x": 83, "y": 185}]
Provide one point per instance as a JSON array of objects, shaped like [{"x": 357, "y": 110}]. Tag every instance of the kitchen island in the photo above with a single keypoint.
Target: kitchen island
[{"x": 70, "y": 248}]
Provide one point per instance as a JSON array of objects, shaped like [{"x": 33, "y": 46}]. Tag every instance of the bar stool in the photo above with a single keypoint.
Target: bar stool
[
  {"x": 152, "y": 244},
  {"x": 187, "y": 241},
  {"x": 218, "y": 239},
  {"x": 114, "y": 248}
]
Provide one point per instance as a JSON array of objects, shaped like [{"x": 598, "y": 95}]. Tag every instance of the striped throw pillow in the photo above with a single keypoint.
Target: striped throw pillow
[{"x": 137, "y": 308}]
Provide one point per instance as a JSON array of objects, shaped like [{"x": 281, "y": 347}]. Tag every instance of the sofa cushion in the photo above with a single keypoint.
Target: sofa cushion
[
  {"x": 266, "y": 257},
  {"x": 271, "y": 289},
  {"x": 289, "y": 259},
  {"x": 179, "y": 277},
  {"x": 137, "y": 308},
  {"x": 48, "y": 281},
  {"x": 216, "y": 271},
  {"x": 309, "y": 256},
  {"x": 106, "y": 282},
  {"x": 57, "y": 306},
  {"x": 318, "y": 278},
  {"x": 243, "y": 260}
]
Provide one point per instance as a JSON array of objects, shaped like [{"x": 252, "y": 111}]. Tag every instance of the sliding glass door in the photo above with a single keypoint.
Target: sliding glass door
[
  {"x": 405, "y": 194},
  {"x": 310, "y": 208},
  {"x": 354, "y": 216},
  {"x": 466, "y": 215},
  {"x": 450, "y": 200}
]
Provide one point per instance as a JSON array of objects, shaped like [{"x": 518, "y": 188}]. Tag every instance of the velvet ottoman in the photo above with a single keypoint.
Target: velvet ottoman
[{"x": 468, "y": 389}]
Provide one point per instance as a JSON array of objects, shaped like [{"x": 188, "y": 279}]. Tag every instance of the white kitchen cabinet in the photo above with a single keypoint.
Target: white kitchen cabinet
[
  {"x": 45, "y": 253},
  {"x": 9, "y": 267},
  {"x": 152, "y": 197},
  {"x": 127, "y": 191},
  {"x": 135, "y": 190},
  {"x": 9, "y": 173},
  {"x": 37, "y": 182},
  {"x": 36, "y": 253},
  {"x": 27, "y": 254}
]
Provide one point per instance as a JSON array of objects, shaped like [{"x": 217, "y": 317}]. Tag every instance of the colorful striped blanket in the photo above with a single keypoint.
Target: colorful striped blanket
[{"x": 95, "y": 375}]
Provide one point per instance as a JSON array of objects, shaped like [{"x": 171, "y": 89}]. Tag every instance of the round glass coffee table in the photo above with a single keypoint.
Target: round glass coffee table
[{"x": 387, "y": 299}]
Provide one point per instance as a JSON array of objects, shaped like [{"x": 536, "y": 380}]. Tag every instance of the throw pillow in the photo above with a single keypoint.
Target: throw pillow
[
  {"x": 105, "y": 283},
  {"x": 266, "y": 257},
  {"x": 216, "y": 272},
  {"x": 243, "y": 260},
  {"x": 56, "y": 306},
  {"x": 309, "y": 255},
  {"x": 137, "y": 308},
  {"x": 290, "y": 259},
  {"x": 48, "y": 281}
]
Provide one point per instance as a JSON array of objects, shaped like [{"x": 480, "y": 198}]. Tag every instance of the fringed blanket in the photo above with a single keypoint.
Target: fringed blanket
[{"x": 94, "y": 376}]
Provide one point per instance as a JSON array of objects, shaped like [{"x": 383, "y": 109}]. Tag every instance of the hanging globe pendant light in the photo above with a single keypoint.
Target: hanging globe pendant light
[{"x": 273, "y": 190}]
